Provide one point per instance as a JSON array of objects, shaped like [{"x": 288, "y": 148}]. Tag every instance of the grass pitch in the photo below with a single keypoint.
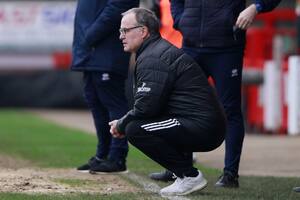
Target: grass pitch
[{"x": 46, "y": 145}]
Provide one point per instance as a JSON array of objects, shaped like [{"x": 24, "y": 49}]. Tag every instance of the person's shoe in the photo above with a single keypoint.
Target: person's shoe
[
  {"x": 228, "y": 180},
  {"x": 296, "y": 189},
  {"x": 185, "y": 185},
  {"x": 163, "y": 176},
  {"x": 109, "y": 167},
  {"x": 93, "y": 161}
]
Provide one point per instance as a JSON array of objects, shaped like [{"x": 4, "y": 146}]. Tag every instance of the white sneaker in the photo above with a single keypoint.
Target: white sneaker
[{"x": 185, "y": 185}]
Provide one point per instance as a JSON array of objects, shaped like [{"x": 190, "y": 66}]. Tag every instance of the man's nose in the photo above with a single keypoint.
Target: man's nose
[{"x": 122, "y": 36}]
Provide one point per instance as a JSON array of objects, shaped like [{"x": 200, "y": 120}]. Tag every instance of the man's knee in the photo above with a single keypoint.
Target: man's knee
[{"x": 133, "y": 130}]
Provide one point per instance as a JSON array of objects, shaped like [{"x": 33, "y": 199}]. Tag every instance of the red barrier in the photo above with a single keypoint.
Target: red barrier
[
  {"x": 62, "y": 60},
  {"x": 259, "y": 48},
  {"x": 259, "y": 39}
]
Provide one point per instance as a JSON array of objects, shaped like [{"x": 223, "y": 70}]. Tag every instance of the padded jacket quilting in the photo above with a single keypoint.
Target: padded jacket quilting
[
  {"x": 209, "y": 23},
  {"x": 169, "y": 83}
]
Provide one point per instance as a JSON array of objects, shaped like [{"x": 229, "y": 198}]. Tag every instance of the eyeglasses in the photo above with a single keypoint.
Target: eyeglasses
[{"x": 123, "y": 31}]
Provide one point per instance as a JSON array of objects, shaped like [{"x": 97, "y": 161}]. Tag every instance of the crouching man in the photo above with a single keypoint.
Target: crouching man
[{"x": 176, "y": 112}]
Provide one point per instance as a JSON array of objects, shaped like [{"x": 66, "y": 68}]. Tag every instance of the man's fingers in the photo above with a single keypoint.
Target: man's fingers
[
  {"x": 243, "y": 24},
  {"x": 246, "y": 17},
  {"x": 238, "y": 22},
  {"x": 112, "y": 122}
]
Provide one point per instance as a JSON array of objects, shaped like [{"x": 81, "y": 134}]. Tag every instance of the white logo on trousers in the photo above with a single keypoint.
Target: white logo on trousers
[{"x": 234, "y": 73}]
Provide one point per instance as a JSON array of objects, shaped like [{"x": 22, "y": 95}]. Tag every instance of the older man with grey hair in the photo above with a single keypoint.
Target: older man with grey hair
[{"x": 176, "y": 112}]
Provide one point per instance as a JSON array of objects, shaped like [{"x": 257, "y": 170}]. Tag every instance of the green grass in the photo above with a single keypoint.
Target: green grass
[
  {"x": 25, "y": 136},
  {"x": 123, "y": 196},
  {"x": 47, "y": 145}
]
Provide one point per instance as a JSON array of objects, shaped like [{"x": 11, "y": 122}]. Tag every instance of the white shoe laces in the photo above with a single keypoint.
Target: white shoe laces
[{"x": 174, "y": 176}]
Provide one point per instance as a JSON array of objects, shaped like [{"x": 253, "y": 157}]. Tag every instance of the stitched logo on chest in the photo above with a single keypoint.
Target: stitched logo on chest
[{"x": 143, "y": 88}]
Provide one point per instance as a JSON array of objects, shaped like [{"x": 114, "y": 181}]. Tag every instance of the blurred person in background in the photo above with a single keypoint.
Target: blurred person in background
[
  {"x": 214, "y": 35},
  {"x": 98, "y": 53},
  {"x": 175, "y": 108}
]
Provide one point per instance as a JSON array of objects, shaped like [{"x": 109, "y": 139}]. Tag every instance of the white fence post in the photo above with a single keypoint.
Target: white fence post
[
  {"x": 272, "y": 96},
  {"x": 294, "y": 95}
]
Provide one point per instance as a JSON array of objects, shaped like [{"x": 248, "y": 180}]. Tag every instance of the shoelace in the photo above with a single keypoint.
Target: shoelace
[
  {"x": 178, "y": 180},
  {"x": 174, "y": 176}
]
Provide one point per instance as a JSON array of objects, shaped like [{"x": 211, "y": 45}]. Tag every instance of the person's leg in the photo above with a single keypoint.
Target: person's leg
[
  {"x": 111, "y": 93},
  {"x": 174, "y": 153},
  {"x": 100, "y": 117},
  {"x": 168, "y": 154},
  {"x": 226, "y": 71}
]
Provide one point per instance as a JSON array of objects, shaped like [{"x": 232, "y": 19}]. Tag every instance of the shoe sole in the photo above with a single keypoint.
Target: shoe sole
[
  {"x": 120, "y": 172},
  {"x": 201, "y": 186},
  {"x": 83, "y": 171}
]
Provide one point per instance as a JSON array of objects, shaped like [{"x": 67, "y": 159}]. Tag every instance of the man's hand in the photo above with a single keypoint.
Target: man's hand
[
  {"x": 246, "y": 17},
  {"x": 114, "y": 131}
]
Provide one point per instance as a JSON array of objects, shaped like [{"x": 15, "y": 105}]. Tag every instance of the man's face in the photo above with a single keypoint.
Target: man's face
[{"x": 131, "y": 34}]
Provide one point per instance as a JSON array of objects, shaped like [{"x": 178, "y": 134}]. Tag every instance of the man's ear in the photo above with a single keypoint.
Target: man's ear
[{"x": 145, "y": 32}]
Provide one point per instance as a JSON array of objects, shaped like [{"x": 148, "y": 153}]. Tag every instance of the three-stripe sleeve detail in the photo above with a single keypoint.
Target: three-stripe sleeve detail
[{"x": 161, "y": 125}]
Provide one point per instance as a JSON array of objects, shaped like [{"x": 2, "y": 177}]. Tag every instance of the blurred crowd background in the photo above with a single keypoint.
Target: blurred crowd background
[{"x": 35, "y": 55}]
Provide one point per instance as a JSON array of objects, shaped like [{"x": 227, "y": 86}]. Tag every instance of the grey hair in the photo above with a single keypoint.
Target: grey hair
[{"x": 146, "y": 18}]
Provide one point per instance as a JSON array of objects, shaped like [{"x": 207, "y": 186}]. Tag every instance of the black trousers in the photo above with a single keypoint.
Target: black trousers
[
  {"x": 105, "y": 96},
  {"x": 170, "y": 144}
]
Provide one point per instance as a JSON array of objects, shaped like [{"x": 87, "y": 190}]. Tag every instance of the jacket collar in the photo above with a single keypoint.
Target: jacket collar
[{"x": 146, "y": 43}]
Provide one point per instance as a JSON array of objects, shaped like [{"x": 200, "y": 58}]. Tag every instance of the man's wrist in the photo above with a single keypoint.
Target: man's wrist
[
  {"x": 258, "y": 6},
  {"x": 118, "y": 126}
]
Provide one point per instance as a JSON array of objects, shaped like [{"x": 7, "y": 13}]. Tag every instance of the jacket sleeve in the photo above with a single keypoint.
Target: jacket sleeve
[
  {"x": 177, "y": 8},
  {"x": 108, "y": 20},
  {"x": 267, "y": 5},
  {"x": 151, "y": 95}
]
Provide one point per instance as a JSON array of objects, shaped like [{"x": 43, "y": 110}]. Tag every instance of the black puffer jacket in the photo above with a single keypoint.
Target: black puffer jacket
[
  {"x": 209, "y": 23},
  {"x": 170, "y": 83}
]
